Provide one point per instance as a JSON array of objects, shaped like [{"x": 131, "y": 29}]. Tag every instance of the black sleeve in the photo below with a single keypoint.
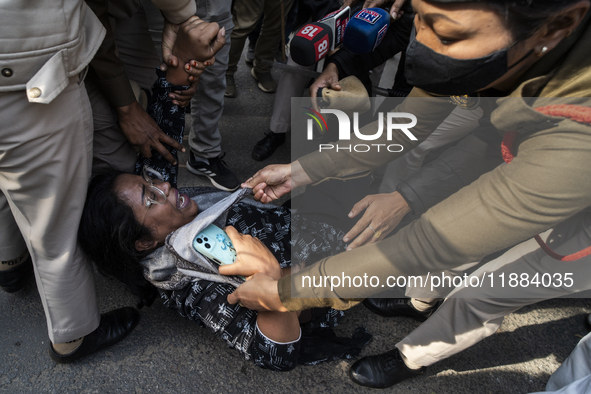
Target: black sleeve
[{"x": 395, "y": 41}]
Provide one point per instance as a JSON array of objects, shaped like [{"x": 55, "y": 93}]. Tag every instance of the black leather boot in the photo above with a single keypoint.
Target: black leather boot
[
  {"x": 265, "y": 147},
  {"x": 17, "y": 277}
]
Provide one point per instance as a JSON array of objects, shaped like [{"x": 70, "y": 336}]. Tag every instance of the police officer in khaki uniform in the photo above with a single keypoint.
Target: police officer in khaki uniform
[{"x": 45, "y": 163}]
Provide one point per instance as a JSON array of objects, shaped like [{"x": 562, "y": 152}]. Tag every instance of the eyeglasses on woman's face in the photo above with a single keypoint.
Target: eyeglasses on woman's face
[{"x": 153, "y": 194}]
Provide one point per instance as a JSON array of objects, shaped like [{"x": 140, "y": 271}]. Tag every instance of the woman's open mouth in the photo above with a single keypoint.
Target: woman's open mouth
[{"x": 182, "y": 200}]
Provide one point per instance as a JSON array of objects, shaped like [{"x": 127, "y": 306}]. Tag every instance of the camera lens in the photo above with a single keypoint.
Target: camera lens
[
  {"x": 205, "y": 239},
  {"x": 207, "y": 246},
  {"x": 199, "y": 241}
]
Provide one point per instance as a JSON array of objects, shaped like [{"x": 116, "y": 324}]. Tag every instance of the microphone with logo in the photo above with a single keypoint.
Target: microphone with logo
[
  {"x": 360, "y": 34},
  {"x": 313, "y": 41},
  {"x": 366, "y": 30}
]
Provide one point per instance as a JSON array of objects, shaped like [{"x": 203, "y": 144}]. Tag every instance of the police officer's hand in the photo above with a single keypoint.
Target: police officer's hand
[
  {"x": 141, "y": 131},
  {"x": 198, "y": 40},
  {"x": 276, "y": 180},
  {"x": 383, "y": 212},
  {"x": 193, "y": 68},
  {"x": 270, "y": 183}
]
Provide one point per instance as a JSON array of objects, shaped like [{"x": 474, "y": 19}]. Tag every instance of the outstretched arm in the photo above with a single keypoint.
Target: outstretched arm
[{"x": 276, "y": 180}]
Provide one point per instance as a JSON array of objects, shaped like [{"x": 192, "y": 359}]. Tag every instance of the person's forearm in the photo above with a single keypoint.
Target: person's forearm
[
  {"x": 176, "y": 11},
  {"x": 177, "y": 75},
  {"x": 299, "y": 177},
  {"x": 452, "y": 170}
]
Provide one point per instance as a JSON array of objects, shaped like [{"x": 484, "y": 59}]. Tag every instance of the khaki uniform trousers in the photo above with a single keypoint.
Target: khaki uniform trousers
[
  {"x": 45, "y": 161},
  {"x": 471, "y": 314},
  {"x": 290, "y": 85},
  {"x": 246, "y": 16}
]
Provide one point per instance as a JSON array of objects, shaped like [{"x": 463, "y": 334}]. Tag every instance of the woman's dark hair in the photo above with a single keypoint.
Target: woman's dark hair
[
  {"x": 525, "y": 17},
  {"x": 108, "y": 232}
]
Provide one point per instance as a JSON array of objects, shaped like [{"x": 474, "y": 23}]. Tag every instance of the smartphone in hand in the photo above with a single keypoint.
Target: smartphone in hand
[{"x": 214, "y": 243}]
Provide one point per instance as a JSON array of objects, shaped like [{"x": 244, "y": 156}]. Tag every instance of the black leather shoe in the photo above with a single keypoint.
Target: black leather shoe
[
  {"x": 390, "y": 307},
  {"x": 381, "y": 371},
  {"x": 114, "y": 326},
  {"x": 265, "y": 147},
  {"x": 17, "y": 277}
]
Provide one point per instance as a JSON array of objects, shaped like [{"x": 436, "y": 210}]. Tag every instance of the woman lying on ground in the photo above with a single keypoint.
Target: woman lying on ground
[{"x": 127, "y": 218}]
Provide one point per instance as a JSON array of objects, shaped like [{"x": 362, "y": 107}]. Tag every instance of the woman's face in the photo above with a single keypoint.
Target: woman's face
[
  {"x": 467, "y": 31},
  {"x": 161, "y": 219}
]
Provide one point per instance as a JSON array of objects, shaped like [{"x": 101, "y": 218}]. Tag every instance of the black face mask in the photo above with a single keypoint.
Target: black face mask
[{"x": 444, "y": 75}]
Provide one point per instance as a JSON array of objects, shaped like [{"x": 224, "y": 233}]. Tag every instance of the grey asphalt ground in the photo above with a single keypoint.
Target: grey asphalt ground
[{"x": 169, "y": 354}]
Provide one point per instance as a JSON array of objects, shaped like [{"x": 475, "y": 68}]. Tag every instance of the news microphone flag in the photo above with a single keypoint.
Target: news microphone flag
[{"x": 337, "y": 21}]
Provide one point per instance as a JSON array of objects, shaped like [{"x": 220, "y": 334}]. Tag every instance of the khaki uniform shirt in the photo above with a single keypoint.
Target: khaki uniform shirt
[{"x": 59, "y": 40}]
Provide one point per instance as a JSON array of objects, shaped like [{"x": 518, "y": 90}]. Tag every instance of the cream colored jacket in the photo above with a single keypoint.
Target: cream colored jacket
[{"x": 43, "y": 43}]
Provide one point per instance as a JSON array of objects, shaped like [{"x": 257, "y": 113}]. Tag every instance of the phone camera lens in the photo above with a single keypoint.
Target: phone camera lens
[
  {"x": 199, "y": 241},
  {"x": 205, "y": 239},
  {"x": 207, "y": 246}
]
